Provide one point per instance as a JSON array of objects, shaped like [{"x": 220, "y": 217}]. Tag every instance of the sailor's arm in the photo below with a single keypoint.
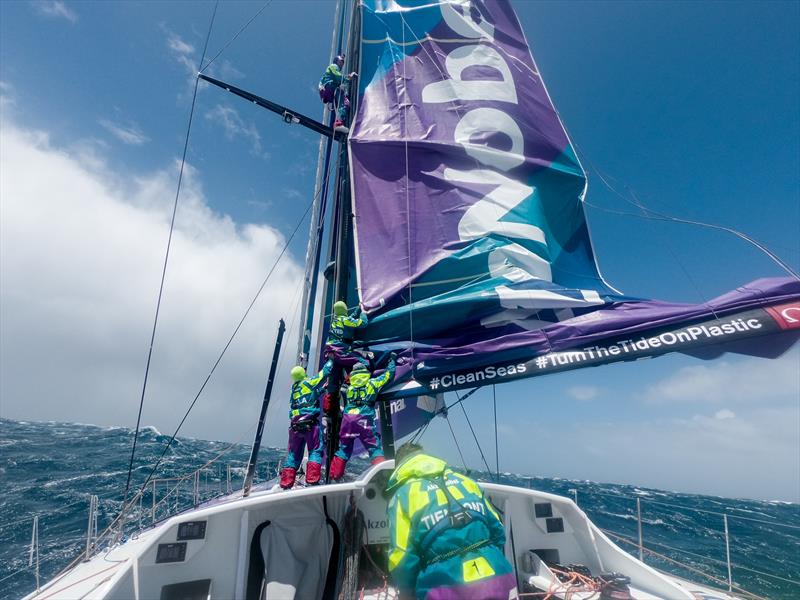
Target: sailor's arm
[
  {"x": 385, "y": 377},
  {"x": 357, "y": 319},
  {"x": 404, "y": 563},
  {"x": 318, "y": 381}
]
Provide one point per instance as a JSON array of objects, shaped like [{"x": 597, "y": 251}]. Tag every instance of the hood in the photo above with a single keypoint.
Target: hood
[
  {"x": 416, "y": 466},
  {"x": 359, "y": 379}
]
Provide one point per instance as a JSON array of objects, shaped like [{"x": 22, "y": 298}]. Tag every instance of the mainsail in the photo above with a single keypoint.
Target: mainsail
[{"x": 474, "y": 259}]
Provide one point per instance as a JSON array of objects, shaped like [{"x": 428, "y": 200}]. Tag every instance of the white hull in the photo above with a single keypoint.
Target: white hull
[{"x": 297, "y": 544}]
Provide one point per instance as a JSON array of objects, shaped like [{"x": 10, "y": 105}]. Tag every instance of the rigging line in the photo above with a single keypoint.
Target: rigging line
[
  {"x": 166, "y": 258},
  {"x": 408, "y": 210},
  {"x": 455, "y": 441},
  {"x": 670, "y": 248},
  {"x": 699, "y": 510},
  {"x": 655, "y": 215},
  {"x": 238, "y": 33},
  {"x": 227, "y": 345},
  {"x": 475, "y": 437},
  {"x": 496, "y": 445},
  {"x": 460, "y": 400},
  {"x": 622, "y": 538}
]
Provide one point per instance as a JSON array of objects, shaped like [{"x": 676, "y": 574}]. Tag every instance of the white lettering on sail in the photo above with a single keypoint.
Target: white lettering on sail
[
  {"x": 482, "y": 121},
  {"x": 516, "y": 263},
  {"x": 484, "y": 217},
  {"x": 456, "y": 88},
  {"x": 458, "y": 16},
  {"x": 512, "y": 262}
]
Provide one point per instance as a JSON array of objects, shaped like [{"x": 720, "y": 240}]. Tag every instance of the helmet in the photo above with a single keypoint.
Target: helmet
[
  {"x": 339, "y": 59},
  {"x": 358, "y": 367},
  {"x": 298, "y": 373},
  {"x": 340, "y": 309}
]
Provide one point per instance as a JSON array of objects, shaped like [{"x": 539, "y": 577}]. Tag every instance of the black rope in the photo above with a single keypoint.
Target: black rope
[
  {"x": 238, "y": 33},
  {"x": 460, "y": 400},
  {"x": 166, "y": 261},
  {"x": 496, "y": 450},
  {"x": 477, "y": 443},
  {"x": 653, "y": 215},
  {"x": 496, "y": 446},
  {"x": 455, "y": 441},
  {"x": 225, "y": 349},
  {"x": 230, "y": 340}
]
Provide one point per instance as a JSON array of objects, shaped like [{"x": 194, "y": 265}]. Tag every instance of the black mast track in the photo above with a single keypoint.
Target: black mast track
[{"x": 289, "y": 116}]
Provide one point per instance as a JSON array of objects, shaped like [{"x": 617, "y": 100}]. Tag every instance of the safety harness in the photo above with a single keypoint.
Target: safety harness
[{"x": 458, "y": 516}]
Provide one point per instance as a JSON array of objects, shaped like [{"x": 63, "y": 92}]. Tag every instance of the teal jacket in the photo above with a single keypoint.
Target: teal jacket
[
  {"x": 305, "y": 393},
  {"x": 331, "y": 77},
  {"x": 427, "y": 550},
  {"x": 362, "y": 391},
  {"x": 341, "y": 330}
]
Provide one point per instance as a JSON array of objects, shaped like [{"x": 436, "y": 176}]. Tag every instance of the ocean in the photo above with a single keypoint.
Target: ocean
[{"x": 51, "y": 470}]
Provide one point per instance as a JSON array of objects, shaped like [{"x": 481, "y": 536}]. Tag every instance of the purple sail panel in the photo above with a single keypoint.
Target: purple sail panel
[
  {"x": 463, "y": 177},
  {"x": 760, "y": 319}
]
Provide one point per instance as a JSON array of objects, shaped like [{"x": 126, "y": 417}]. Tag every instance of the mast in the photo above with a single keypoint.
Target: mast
[
  {"x": 341, "y": 245},
  {"x": 317, "y": 225}
]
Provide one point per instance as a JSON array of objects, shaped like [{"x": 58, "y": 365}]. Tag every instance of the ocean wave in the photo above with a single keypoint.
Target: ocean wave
[
  {"x": 54, "y": 476},
  {"x": 635, "y": 518}
]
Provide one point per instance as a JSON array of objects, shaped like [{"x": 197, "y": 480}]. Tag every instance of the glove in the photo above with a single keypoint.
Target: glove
[{"x": 393, "y": 357}]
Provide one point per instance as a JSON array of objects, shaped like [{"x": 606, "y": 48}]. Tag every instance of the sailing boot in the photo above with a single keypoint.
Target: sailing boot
[
  {"x": 287, "y": 477},
  {"x": 377, "y": 460},
  {"x": 337, "y": 468},
  {"x": 312, "y": 472}
]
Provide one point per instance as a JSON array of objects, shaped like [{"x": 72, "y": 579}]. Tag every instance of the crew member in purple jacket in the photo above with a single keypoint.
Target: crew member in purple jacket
[
  {"x": 304, "y": 411},
  {"x": 359, "y": 421}
]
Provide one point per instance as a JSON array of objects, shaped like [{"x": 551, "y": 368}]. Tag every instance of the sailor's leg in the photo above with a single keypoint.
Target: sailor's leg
[
  {"x": 313, "y": 466},
  {"x": 294, "y": 456},
  {"x": 294, "y": 453},
  {"x": 371, "y": 438},
  {"x": 347, "y": 438}
]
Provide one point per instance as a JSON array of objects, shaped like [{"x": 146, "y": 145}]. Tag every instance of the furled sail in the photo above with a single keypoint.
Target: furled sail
[{"x": 471, "y": 241}]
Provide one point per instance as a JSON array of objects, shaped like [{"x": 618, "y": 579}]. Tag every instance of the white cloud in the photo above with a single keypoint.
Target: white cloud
[
  {"x": 7, "y": 101},
  {"x": 745, "y": 380},
  {"x": 55, "y": 9},
  {"x": 81, "y": 252},
  {"x": 583, "y": 392},
  {"x": 234, "y": 127},
  {"x": 724, "y": 414},
  {"x": 753, "y": 453},
  {"x": 128, "y": 134},
  {"x": 182, "y": 51}
]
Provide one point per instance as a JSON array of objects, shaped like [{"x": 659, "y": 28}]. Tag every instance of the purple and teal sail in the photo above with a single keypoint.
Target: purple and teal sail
[{"x": 471, "y": 240}]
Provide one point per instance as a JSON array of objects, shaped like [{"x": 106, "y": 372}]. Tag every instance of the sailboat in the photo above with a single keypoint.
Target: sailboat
[{"x": 454, "y": 215}]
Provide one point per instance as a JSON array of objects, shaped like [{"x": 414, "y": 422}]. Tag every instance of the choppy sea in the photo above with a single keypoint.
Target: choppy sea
[{"x": 51, "y": 470}]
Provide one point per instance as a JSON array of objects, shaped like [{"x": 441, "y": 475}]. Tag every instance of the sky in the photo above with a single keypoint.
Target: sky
[{"x": 694, "y": 106}]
